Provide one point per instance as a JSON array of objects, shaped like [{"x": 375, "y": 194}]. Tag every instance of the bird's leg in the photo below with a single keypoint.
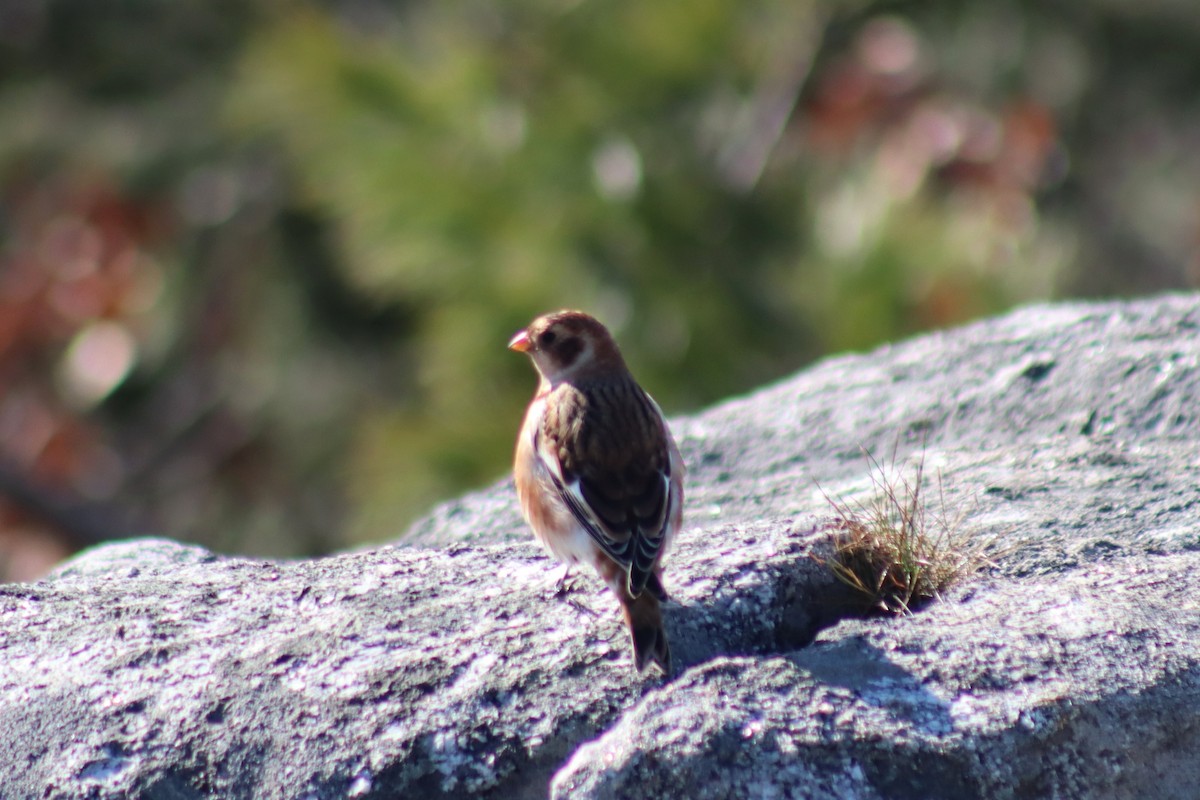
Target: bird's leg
[
  {"x": 560, "y": 585},
  {"x": 563, "y": 587},
  {"x": 566, "y": 582}
]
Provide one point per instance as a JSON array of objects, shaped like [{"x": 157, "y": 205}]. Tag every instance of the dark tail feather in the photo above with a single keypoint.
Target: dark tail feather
[{"x": 644, "y": 617}]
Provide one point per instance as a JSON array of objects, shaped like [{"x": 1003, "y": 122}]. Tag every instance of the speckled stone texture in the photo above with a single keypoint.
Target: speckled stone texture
[{"x": 1065, "y": 434}]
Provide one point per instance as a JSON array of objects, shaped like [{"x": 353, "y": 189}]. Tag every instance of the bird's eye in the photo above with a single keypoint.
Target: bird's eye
[{"x": 547, "y": 339}]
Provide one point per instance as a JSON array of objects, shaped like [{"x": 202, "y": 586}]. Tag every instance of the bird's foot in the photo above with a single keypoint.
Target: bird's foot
[
  {"x": 565, "y": 586},
  {"x": 578, "y": 606},
  {"x": 566, "y": 583}
]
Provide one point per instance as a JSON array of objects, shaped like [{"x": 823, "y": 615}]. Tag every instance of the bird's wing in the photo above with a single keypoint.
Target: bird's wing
[{"x": 613, "y": 471}]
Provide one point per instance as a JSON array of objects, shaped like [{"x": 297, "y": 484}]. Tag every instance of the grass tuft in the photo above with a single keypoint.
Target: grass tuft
[{"x": 894, "y": 552}]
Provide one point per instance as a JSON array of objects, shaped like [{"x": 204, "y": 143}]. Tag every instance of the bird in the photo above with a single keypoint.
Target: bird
[{"x": 598, "y": 475}]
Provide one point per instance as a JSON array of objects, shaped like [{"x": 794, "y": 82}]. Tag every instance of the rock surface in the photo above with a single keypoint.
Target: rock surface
[{"x": 1066, "y": 434}]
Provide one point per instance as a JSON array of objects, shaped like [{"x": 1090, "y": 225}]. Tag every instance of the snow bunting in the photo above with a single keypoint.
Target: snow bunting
[{"x": 598, "y": 474}]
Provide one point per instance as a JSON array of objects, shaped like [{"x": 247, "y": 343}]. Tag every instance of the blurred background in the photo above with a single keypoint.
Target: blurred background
[{"x": 259, "y": 259}]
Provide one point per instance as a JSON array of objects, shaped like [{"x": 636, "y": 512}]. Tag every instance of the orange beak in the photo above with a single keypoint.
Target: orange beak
[{"x": 521, "y": 342}]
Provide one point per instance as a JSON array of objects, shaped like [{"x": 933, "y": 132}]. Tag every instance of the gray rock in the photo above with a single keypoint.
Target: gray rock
[
  {"x": 1079, "y": 685},
  {"x": 1066, "y": 435}
]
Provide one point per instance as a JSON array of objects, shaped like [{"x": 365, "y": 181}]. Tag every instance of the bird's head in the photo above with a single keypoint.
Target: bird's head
[{"x": 566, "y": 345}]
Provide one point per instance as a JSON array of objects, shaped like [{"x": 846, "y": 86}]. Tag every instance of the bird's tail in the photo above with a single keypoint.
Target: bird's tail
[{"x": 643, "y": 614}]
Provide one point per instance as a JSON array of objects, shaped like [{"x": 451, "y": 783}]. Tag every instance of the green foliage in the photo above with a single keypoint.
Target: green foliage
[{"x": 483, "y": 168}]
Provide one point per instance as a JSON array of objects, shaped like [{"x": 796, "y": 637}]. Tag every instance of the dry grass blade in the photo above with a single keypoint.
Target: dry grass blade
[{"x": 891, "y": 549}]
